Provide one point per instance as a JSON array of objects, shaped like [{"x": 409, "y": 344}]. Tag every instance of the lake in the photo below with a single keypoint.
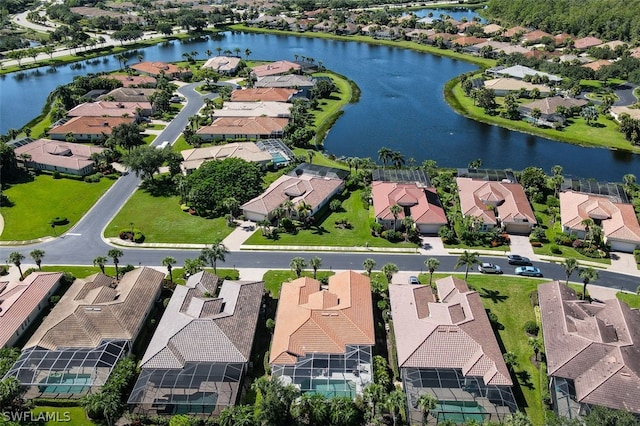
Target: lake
[{"x": 402, "y": 105}]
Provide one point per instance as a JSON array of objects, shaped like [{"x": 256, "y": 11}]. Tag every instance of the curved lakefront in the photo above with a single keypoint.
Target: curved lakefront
[{"x": 401, "y": 106}]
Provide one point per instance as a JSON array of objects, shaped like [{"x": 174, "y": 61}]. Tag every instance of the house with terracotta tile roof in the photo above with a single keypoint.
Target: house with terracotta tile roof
[
  {"x": 596, "y": 65},
  {"x": 289, "y": 80},
  {"x": 22, "y": 302},
  {"x": 586, "y": 42},
  {"x": 548, "y": 108},
  {"x": 134, "y": 80},
  {"x": 276, "y": 68},
  {"x": 265, "y": 94},
  {"x": 88, "y": 128},
  {"x": 244, "y": 128},
  {"x": 248, "y": 151},
  {"x": 496, "y": 204},
  {"x": 179, "y": 376},
  {"x": 514, "y": 32},
  {"x": 446, "y": 348},
  {"x": 324, "y": 336},
  {"x": 535, "y": 36},
  {"x": 156, "y": 69},
  {"x": 63, "y": 157},
  {"x": 467, "y": 41},
  {"x": 111, "y": 109},
  {"x": 421, "y": 204},
  {"x": 313, "y": 188},
  {"x": 492, "y": 29},
  {"x": 128, "y": 94},
  {"x": 93, "y": 326},
  {"x": 561, "y": 39},
  {"x": 504, "y": 85},
  {"x": 226, "y": 65},
  {"x": 592, "y": 351},
  {"x": 497, "y": 47},
  {"x": 254, "y": 109},
  {"x": 619, "y": 223}
]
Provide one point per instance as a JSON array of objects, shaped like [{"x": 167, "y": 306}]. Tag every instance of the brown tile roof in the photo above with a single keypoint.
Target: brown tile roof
[
  {"x": 310, "y": 319},
  {"x": 386, "y": 194},
  {"x": 258, "y": 126},
  {"x": 597, "y": 345},
  {"x": 548, "y": 105},
  {"x": 274, "y": 94},
  {"x": 468, "y": 40},
  {"x": 492, "y": 28},
  {"x": 108, "y": 109},
  {"x": 59, "y": 154},
  {"x": 156, "y": 68},
  {"x": 128, "y": 94},
  {"x": 99, "y": 309},
  {"x": 560, "y": 39},
  {"x": 19, "y": 299},
  {"x": 275, "y": 68},
  {"x": 133, "y": 80},
  {"x": 535, "y": 35},
  {"x": 248, "y": 151},
  {"x": 586, "y": 42},
  {"x": 509, "y": 200},
  {"x": 452, "y": 333},
  {"x": 90, "y": 125},
  {"x": 511, "y": 32},
  {"x": 619, "y": 220},
  {"x": 596, "y": 65},
  {"x": 311, "y": 189},
  {"x": 223, "y": 64}
]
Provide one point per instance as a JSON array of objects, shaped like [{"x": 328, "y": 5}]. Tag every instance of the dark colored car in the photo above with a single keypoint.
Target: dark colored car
[
  {"x": 516, "y": 259},
  {"x": 489, "y": 268}
]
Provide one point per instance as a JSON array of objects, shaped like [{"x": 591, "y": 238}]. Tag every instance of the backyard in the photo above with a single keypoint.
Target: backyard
[
  {"x": 72, "y": 416},
  {"x": 35, "y": 203}
]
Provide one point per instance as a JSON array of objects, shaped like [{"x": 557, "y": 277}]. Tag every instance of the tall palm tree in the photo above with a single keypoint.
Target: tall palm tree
[
  {"x": 536, "y": 345},
  {"x": 217, "y": 251},
  {"x": 303, "y": 209},
  {"x": 384, "y": 155},
  {"x": 587, "y": 275},
  {"x": 397, "y": 158},
  {"x": 511, "y": 360},
  {"x": 100, "y": 261},
  {"x": 16, "y": 258},
  {"x": 570, "y": 264},
  {"x": 432, "y": 264},
  {"x": 169, "y": 261},
  {"x": 395, "y": 211},
  {"x": 315, "y": 263},
  {"x": 368, "y": 265},
  {"x": 408, "y": 224},
  {"x": 231, "y": 204},
  {"x": 395, "y": 401},
  {"x": 115, "y": 254},
  {"x": 37, "y": 256},
  {"x": 468, "y": 259},
  {"x": 373, "y": 394},
  {"x": 288, "y": 206},
  {"x": 297, "y": 265},
  {"x": 388, "y": 270},
  {"x": 629, "y": 181},
  {"x": 247, "y": 53},
  {"x": 426, "y": 403}
]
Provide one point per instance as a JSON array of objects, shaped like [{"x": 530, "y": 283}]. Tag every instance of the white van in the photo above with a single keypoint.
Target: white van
[{"x": 163, "y": 145}]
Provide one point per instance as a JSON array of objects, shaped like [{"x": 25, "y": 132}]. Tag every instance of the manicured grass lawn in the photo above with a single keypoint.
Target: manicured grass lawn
[
  {"x": 508, "y": 298},
  {"x": 225, "y": 273},
  {"x": 633, "y": 300},
  {"x": 324, "y": 233},
  {"x": 273, "y": 279},
  {"x": 59, "y": 415},
  {"x": 162, "y": 221},
  {"x": 329, "y": 110},
  {"x": 37, "y": 202},
  {"x": 82, "y": 271},
  {"x": 180, "y": 145}
]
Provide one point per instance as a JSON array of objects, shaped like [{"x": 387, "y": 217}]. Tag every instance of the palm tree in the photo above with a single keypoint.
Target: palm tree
[
  {"x": 368, "y": 265},
  {"x": 570, "y": 264},
  {"x": 372, "y": 395},
  {"x": 629, "y": 181},
  {"x": 397, "y": 159},
  {"x": 247, "y": 53},
  {"x": 395, "y": 211},
  {"x": 231, "y": 204},
  {"x": 303, "y": 209},
  {"x": 426, "y": 403},
  {"x": 468, "y": 259},
  {"x": 511, "y": 360},
  {"x": 115, "y": 254},
  {"x": 100, "y": 261},
  {"x": 395, "y": 401},
  {"x": 218, "y": 251},
  {"x": 169, "y": 261},
  {"x": 384, "y": 155},
  {"x": 388, "y": 270},
  {"x": 408, "y": 224},
  {"x": 16, "y": 258},
  {"x": 315, "y": 263},
  {"x": 288, "y": 207},
  {"x": 37, "y": 256},
  {"x": 587, "y": 275},
  {"x": 297, "y": 264},
  {"x": 536, "y": 345},
  {"x": 432, "y": 264}
]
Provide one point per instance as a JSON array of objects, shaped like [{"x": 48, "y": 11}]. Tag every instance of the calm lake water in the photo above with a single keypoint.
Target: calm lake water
[{"x": 402, "y": 105}]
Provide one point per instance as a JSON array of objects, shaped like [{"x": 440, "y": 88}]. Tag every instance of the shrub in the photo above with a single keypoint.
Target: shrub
[
  {"x": 343, "y": 224},
  {"x": 57, "y": 175},
  {"x": 538, "y": 234},
  {"x": 29, "y": 272},
  {"x": 127, "y": 268},
  {"x": 552, "y": 201},
  {"x": 392, "y": 236},
  {"x": 58, "y": 221},
  {"x": 531, "y": 328},
  {"x": 138, "y": 237},
  {"x": 376, "y": 228},
  {"x": 536, "y": 244},
  {"x": 565, "y": 239},
  {"x": 287, "y": 224},
  {"x": 335, "y": 205},
  {"x": 165, "y": 302},
  {"x": 53, "y": 300},
  {"x": 4, "y": 269},
  {"x": 555, "y": 249},
  {"x": 576, "y": 244},
  {"x": 636, "y": 254},
  {"x": 94, "y": 178},
  {"x": 447, "y": 234},
  {"x": 533, "y": 298}
]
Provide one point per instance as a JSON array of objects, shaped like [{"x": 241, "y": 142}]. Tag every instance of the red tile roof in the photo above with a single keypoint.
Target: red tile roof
[
  {"x": 90, "y": 125},
  {"x": 156, "y": 68},
  {"x": 275, "y": 68},
  {"x": 60, "y": 154},
  {"x": 134, "y": 80},
  {"x": 258, "y": 126},
  {"x": 108, "y": 109},
  {"x": 535, "y": 35},
  {"x": 386, "y": 194},
  {"x": 586, "y": 42}
]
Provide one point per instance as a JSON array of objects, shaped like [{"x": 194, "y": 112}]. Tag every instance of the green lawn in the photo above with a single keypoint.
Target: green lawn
[
  {"x": 72, "y": 416},
  {"x": 162, "y": 221},
  {"x": 225, "y": 273},
  {"x": 324, "y": 232},
  {"x": 37, "y": 202},
  {"x": 633, "y": 300},
  {"x": 330, "y": 109},
  {"x": 82, "y": 271},
  {"x": 273, "y": 279}
]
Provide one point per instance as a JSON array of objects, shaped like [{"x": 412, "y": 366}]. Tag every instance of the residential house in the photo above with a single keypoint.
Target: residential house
[
  {"x": 134, "y": 80},
  {"x": 63, "y": 157},
  {"x": 22, "y": 302},
  {"x": 614, "y": 44},
  {"x": 464, "y": 41},
  {"x": 618, "y": 220},
  {"x": 179, "y": 376},
  {"x": 324, "y": 336},
  {"x": 88, "y": 128},
  {"x": 420, "y": 203},
  {"x": 244, "y": 128},
  {"x": 592, "y": 351},
  {"x": 446, "y": 348},
  {"x": 276, "y": 68},
  {"x": 635, "y": 52},
  {"x": 520, "y": 72},
  {"x": 561, "y": 39},
  {"x": 616, "y": 111},
  {"x": 264, "y": 94},
  {"x": 503, "y": 86},
  {"x": 96, "y": 12},
  {"x": 227, "y": 65},
  {"x": 492, "y": 29},
  {"x": 156, "y": 69},
  {"x": 548, "y": 108},
  {"x": 596, "y": 65},
  {"x": 128, "y": 94},
  {"x": 288, "y": 81},
  {"x": 586, "y": 42},
  {"x": 111, "y": 109},
  {"x": 535, "y": 36},
  {"x": 254, "y": 109},
  {"x": 497, "y": 48},
  {"x": 92, "y": 327},
  {"x": 514, "y": 32},
  {"x": 248, "y": 151},
  {"x": 311, "y": 184},
  {"x": 496, "y": 204}
]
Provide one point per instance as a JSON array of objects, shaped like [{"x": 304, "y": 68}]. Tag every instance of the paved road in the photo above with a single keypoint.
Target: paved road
[{"x": 625, "y": 94}]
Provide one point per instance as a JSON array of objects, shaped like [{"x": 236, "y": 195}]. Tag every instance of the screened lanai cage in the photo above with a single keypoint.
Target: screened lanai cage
[
  {"x": 198, "y": 388},
  {"x": 66, "y": 372},
  {"x": 460, "y": 398},
  {"x": 331, "y": 375}
]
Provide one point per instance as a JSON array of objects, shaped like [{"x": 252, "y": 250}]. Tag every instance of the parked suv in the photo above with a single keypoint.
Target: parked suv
[{"x": 489, "y": 268}]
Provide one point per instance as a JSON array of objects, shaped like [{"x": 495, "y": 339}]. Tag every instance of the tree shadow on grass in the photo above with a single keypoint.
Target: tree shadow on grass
[
  {"x": 494, "y": 295},
  {"x": 319, "y": 230},
  {"x": 524, "y": 378}
]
